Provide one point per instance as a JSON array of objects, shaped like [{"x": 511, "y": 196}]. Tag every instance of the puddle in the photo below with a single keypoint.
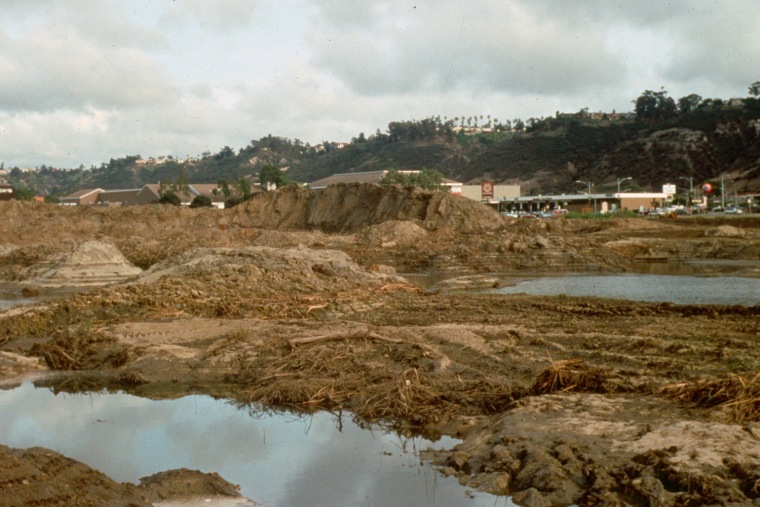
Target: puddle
[
  {"x": 677, "y": 289},
  {"x": 278, "y": 460}
]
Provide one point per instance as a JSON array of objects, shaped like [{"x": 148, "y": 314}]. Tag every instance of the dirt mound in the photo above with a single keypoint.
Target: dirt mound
[
  {"x": 272, "y": 269},
  {"x": 351, "y": 207},
  {"x": 725, "y": 231},
  {"x": 39, "y": 476},
  {"x": 393, "y": 232},
  {"x": 92, "y": 264}
]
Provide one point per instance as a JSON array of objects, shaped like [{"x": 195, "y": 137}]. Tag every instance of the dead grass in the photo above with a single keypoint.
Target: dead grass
[
  {"x": 379, "y": 379},
  {"x": 740, "y": 396},
  {"x": 570, "y": 375}
]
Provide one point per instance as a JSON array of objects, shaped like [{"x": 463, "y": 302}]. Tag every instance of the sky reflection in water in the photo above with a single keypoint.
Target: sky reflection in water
[
  {"x": 694, "y": 290},
  {"x": 278, "y": 460}
]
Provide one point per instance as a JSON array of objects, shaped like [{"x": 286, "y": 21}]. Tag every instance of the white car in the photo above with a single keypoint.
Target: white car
[{"x": 732, "y": 209}]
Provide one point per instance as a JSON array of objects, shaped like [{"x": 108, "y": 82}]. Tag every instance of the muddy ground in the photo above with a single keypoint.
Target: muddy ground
[{"x": 296, "y": 300}]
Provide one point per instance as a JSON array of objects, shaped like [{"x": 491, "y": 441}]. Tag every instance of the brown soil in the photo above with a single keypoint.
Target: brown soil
[{"x": 293, "y": 301}]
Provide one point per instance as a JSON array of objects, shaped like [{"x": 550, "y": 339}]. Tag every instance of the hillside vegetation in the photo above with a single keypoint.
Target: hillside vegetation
[{"x": 702, "y": 141}]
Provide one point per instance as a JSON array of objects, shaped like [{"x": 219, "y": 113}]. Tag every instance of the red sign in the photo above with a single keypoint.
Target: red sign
[
  {"x": 707, "y": 188},
  {"x": 486, "y": 190}
]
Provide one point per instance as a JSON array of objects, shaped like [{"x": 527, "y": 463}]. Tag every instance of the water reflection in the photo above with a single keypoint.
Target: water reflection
[
  {"x": 697, "y": 290},
  {"x": 277, "y": 460}
]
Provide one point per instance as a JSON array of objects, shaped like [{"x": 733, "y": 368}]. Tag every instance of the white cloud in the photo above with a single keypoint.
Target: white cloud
[
  {"x": 495, "y": 46},
  {"x": 54, "y": 66},
  {"x": 81, "y": 82}
]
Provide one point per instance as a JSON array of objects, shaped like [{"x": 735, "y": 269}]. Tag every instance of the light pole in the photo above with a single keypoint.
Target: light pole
[
  {"x": 620, "y": 180},
  {"x": 722, "y": 193},
  {"x": 691, "y": 188},
  {"x": 589, "y": 190}
]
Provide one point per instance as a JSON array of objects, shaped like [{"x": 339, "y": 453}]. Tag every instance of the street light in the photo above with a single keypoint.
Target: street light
[
  {"x": 620, "y": 180},
  {"x": 691, "y": 188},
  {"x": 589, "y": 190},
  {"x": 585, "y": 183}
]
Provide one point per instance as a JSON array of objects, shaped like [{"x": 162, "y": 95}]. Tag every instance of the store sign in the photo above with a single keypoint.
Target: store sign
[{"x": 486, "y": 190}]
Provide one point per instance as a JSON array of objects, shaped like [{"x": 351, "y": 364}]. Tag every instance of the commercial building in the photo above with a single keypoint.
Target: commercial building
[
  {"x": 7, "y": 192},
  {"x": 587, "y": 203}
]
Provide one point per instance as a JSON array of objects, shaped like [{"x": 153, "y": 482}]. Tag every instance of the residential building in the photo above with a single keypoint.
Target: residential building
[{"x": 149, "y": 193}]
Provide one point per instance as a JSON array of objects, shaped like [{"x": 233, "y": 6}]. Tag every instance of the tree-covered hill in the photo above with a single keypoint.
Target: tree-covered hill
[{"x": 663, "y": 141}]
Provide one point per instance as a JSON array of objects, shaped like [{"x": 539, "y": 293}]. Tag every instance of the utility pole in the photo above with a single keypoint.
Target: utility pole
[
  {"x": 589, "y": 190},
  {"x": 722, "y": 194}
]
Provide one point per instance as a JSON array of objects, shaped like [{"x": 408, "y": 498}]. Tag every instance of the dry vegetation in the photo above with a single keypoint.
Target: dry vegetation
[
  {"x": 558, "y": 400},
  {"x": 739, "y": 396}
]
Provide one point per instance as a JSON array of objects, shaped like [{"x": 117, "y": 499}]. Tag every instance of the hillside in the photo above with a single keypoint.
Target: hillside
[{"x": 713, "y": 140}]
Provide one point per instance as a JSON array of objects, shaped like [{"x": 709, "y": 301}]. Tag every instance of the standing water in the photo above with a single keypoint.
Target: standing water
[
  {"x": 278, "y": 460},
  {"x": 693, "y": 290}
]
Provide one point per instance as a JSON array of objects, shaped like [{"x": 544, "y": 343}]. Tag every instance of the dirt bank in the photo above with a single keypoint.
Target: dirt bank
[
  {"x": 40, "y": 477},
  {"x": 558, "y": 400}
]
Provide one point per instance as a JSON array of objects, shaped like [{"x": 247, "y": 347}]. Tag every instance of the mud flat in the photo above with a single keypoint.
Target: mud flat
[{"x": 559, "y": 400}]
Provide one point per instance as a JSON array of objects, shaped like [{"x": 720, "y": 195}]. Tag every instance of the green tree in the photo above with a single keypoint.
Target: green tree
[
  {"x": 754, "y": 89},
  {"x": 689, "y": 103},
  {"x": 272, "y": 175},
  {"x": 225, "y": 188},
  {"x": 393, "y": 177},
  {"x": 225, "y": 152},
  {"x": 25, "y": 193},
  {"x": 181, "y": 185},
  {"x": 245, "y": 188},
  {"x": 646, "y": 105},
  {"x": 655, "y": 106},
  {"x": 169, "y": 197},
  {"x": 429, "y": 179},
  {"x": 202, "y": 201}
]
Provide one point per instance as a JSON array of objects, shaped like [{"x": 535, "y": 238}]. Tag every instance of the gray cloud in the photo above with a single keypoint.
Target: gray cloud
[
  {"x": 499, "y": 46},
  {"x": 219, "y": 15},
  {"x": 54, "y": 66},
  {"x": 81, "y": 82}
]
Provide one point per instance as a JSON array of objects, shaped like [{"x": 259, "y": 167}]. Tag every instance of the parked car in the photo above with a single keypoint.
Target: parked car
[{"x": 733, "y": 210}]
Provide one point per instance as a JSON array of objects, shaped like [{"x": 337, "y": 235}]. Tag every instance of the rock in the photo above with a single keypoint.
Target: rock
[
  {"x": 541, "y": 242},
  {"x": 531, "y": 498}
]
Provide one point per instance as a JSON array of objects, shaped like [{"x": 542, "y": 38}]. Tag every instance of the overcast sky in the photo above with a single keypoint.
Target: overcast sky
[{"x": 82, "y": 81}]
